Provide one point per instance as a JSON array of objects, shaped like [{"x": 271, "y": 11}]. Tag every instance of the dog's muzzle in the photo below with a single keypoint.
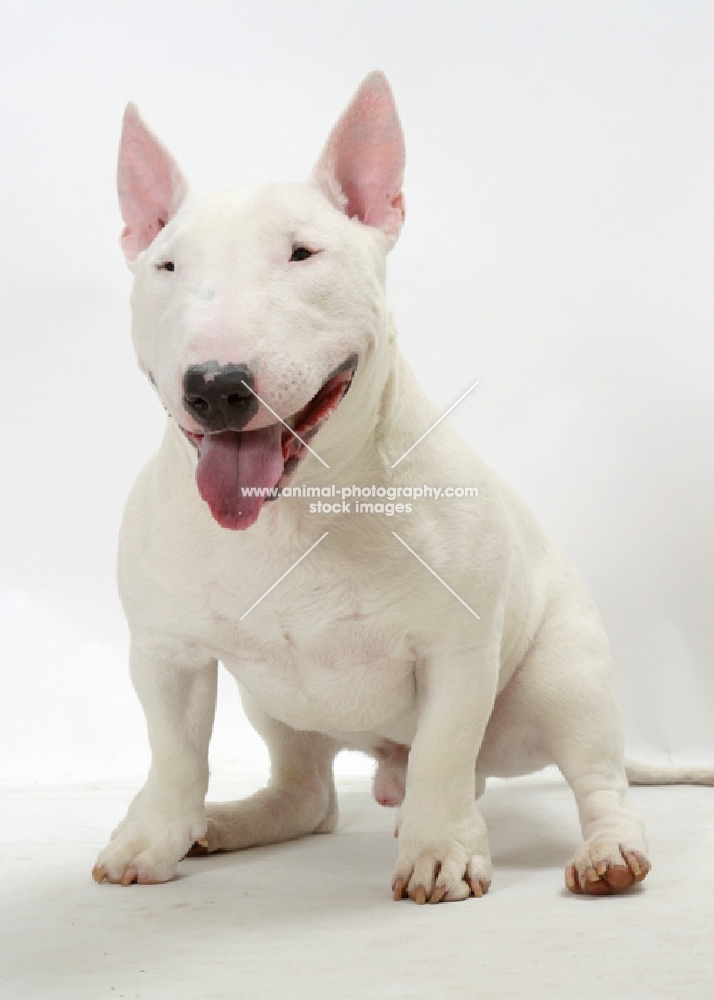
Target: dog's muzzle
[{"x": 239, "y": 470}]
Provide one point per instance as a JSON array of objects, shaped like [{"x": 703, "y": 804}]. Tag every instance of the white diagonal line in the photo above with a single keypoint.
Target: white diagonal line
[
  {"x": 283, "y": 576},
  {"x": 285, "y": 425},
  {"x": 435, "y": 424},
  {"x": 435, "y": 574}
]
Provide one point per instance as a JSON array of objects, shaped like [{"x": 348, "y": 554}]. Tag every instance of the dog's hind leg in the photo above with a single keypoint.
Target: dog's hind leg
[
  {"x": 563, "y": 687},
  {"x": 299, "y": 799}
]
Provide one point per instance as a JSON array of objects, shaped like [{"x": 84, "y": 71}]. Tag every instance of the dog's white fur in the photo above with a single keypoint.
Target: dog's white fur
[{"x": 359, "y": 646}]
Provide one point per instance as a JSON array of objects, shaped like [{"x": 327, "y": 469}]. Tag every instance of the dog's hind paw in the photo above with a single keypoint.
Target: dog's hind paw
[
  {"x": 602, "y": 868},
  {"x": 199, "y": 848},
  {"x": 267, "y": 817}
]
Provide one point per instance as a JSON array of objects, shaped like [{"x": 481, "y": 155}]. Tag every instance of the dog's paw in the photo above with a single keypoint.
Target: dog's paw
[
  {"x": 221, "y": 833},
  {"x": 146, "y": 851},
  {"x": 268, "y": 817},
  {"x": 602, "y": 867},
  {"x": 443, "y": 869}
]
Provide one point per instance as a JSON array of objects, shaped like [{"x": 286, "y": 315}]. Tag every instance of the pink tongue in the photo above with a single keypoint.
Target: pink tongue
[{"x": 230, "y": 464}]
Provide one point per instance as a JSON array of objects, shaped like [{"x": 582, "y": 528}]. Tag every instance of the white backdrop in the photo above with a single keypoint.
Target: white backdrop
[{"x": 558, "y": 247}]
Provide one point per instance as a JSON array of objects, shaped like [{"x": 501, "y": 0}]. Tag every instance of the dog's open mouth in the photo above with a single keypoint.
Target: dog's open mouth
[{"x": 238, "y": 471}]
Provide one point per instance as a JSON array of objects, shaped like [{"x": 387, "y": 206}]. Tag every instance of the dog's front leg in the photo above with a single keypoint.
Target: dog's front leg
[
  {"x": 168, "y": 814},
  {"x": 443, "y": 843}
]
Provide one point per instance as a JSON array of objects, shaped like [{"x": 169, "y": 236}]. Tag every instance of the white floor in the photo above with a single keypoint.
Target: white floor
[{"x": 314, "y": 918}]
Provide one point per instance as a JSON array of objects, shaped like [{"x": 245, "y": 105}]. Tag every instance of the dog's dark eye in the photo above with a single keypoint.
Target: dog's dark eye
[
  {"x": 300, "y": 252},
  {"x": 165, "y": 265}
]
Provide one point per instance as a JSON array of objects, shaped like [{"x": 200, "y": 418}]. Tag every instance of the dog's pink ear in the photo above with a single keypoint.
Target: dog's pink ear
[
  {"x": 362, "y": 165},
  {"x": 151, "y": 186}
]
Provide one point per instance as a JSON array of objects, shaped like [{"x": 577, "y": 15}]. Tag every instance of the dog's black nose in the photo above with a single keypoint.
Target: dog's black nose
[{"x": 218, "y": 396}]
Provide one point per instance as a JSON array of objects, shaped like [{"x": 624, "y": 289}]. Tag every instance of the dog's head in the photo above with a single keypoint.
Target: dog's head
[{"x": 253, "y": 310}]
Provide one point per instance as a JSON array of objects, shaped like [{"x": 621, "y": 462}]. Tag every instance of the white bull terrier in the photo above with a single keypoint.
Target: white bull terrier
[{"x": 460, "y": 646}]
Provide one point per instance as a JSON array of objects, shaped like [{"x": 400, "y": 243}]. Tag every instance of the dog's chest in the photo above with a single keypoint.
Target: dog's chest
[{"x": 318, "y": 656}]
